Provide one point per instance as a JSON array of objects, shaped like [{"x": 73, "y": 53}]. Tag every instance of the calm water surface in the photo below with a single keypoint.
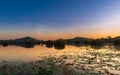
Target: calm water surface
[{"x": 16, "y": 53}]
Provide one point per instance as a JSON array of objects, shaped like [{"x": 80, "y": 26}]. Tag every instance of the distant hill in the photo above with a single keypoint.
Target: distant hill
[
  {"x": 118, "y": 37},
  {"x": 76, "y": 39},
  {"x": 26, "y": 39}
]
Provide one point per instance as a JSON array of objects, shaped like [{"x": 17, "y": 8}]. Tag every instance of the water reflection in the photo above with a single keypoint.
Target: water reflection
[
  {"x": 4, "y": 44},
  {"x": 49, "y": 44},
  {"x": 117, "y": 47},
  {"x": 92, "y": 54},
  {"x": 59, "y": 44},
  {"x": 25, "y": 45},
  {"x": 22, "y": 52},
  {"x": 96, "y": 46}
]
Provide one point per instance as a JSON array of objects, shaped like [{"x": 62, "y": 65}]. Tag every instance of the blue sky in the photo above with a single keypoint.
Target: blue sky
[{"x": 56, "y": 18}]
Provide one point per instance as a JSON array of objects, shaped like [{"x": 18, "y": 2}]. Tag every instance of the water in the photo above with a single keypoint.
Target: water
[
  {"x": 17, "y": 53},
  {"x": 93, "y": 59}
]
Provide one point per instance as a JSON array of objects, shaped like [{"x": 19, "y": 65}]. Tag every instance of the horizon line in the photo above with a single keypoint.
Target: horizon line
[{"x": 62, "y": 38}]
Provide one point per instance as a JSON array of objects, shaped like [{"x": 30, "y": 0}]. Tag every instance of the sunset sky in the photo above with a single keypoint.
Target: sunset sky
[{"x": 53, "y": 19}]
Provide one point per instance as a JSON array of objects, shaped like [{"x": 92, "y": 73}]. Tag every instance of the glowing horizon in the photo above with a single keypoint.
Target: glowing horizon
[{"x": 59, "y": 19}]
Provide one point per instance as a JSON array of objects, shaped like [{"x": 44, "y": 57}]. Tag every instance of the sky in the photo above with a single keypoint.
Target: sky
[{"x": 54, "y": 19}]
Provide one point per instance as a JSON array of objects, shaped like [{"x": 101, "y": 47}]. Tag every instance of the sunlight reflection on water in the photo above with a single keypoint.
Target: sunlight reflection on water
[{"x": 15, "y": 53}]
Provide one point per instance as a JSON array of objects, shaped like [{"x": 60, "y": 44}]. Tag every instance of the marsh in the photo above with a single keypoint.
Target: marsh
[{"x": 80, "y": 60}]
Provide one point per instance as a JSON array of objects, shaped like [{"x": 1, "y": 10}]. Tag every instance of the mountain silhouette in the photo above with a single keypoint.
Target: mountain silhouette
[
  {"x": 81, "y": 39},
  {"x": 27, "y": 39}
]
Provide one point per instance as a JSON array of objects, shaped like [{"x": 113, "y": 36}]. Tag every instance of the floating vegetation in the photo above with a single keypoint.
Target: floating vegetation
[{"x": 92, "y": 62}]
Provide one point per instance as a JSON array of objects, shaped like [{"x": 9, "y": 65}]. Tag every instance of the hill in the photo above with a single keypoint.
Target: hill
[{"x": 26, "y": 39}]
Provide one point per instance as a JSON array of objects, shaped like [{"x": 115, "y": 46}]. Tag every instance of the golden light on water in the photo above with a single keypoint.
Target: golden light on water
[{"x": 14, "y": 53}]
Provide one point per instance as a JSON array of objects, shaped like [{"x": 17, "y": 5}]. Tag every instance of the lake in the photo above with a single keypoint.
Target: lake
[
  {"x": 17, "y": 53},
  {"x": 82, "y": 60}
]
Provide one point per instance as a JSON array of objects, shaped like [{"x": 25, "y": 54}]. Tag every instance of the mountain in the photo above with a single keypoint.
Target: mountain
[
  {"x": 26, "y": 39},
  {"x": 78, "y": 39},
  {"x": 118, "y": 37}
]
